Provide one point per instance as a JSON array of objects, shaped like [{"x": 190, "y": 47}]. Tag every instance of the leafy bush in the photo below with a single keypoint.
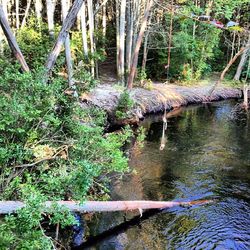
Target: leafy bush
[
  {"x": 124, "y": 105},
  {"x": 50, "y": 149}
]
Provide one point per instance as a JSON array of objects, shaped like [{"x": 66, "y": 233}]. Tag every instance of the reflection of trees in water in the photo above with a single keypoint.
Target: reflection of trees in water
[{"x": 205, "y": 155}]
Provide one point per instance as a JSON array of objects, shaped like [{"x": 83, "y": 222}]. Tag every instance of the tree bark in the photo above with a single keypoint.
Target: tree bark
[
  {"x": 245, "y": 94},
  {"x": 243, "y": 61},
  {"x": 17, "y": 14},
  {"x": 145, "y": 48},
  {"x": 65, "y": 7},
  {"x": 12, "y": 40},
  {"x": 227, "y": 68},
  {"x": 118, "y": 69},
  {"x": 67, "y": 24},
  {"x": 122, "y": 40},
  {"x": 84, "y": 30},
  {"x": 138, "y": 44},
  {"x": 104, "y": 18},
  {"x": 129, "y": 37},
  {"x": 91, "y": 34},
  {"x": 26, "y": 14},
  {"x": 7, "y": 207},
  {"x": 38, "y": 10},
  {"x": 50, "y": 15}
]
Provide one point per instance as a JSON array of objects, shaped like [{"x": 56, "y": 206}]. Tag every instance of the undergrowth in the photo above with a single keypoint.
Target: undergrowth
[{"x": 50, "y": 149}]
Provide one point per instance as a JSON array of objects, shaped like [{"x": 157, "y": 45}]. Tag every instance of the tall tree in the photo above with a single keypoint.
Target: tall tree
[
  {"x": 50, "y": 5},
  {"x": 17, "y": 14},
  {"x": 84, "y": 30},
  {"x": 26, "y": 13},
  {"x": 91, "y": 34},
  {"x": 122, "y": 40},
  {"x": 65, "y": 7},
  {"x": 67, "y": 25},
  {"x": 243, "y": 61},
  {"x": 12, "y": 40},
  {"x": 138, "y": 44},
  {"x": 38, "y": 10}
]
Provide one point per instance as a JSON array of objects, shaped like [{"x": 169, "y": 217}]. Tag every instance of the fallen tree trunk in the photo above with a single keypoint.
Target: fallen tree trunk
[
  {"x": 159, "y": 98},
  {"x": 7, "y": 207}
]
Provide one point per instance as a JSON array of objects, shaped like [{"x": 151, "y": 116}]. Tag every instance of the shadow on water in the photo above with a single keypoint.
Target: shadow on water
[{"x": 206, "y": 157}]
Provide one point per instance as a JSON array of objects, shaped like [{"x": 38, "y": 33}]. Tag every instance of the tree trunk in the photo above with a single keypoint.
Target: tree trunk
[
  {"x": 84, "y": 30},
  {"x": 65, "y": 7},
  {"x": 138, "y": 44},
  {"x": 38, "y": 10},
  {"x": 129, "y": 37},
  {"x": 170, "y": 39},
  {"x": 7, "y": 207},
  {"x": 26, "y": 14},
  {"x": 227, "y": 68},
  {"x": 17, "y": 14},
  {"x": 50, "y": 16},
  {"x": 145, "y": 48},
  {"x": 122, "y": 40},
  {"x": 12, "y": 40},
  {"x": 91, "y": 34},
  {"x": 243, "y": 61},
  {"x": 104, "y": 19},
  {"x": 245, "y": 94},
  {"x": 67, "y": 24},
  {"x": 118, "y": 69}
]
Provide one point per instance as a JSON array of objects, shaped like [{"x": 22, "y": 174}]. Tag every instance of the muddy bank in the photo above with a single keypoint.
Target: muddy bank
[{"x": 159, "y": 98}]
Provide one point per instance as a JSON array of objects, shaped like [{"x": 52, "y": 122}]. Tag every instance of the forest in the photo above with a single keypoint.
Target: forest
[{"x": 76, "y": 78}]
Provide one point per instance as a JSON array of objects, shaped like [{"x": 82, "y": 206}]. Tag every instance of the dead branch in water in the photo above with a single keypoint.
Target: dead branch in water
[{"x": 7, "y": 207}]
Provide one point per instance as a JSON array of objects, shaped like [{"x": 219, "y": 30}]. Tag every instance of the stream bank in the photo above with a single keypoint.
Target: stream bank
[{"x": 157, "y": 99}]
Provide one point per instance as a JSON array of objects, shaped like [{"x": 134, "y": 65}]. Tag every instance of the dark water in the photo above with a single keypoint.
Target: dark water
[{"x": 207, "y": 156}]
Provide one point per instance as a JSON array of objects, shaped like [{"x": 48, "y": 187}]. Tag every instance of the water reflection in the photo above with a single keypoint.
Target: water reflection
[{"x": 206, "y": 156}]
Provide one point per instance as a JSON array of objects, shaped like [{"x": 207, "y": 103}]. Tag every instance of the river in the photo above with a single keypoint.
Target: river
[{"x": 207, "y": 156}]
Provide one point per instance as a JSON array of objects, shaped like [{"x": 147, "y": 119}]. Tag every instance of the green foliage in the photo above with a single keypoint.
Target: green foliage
[
  {"x": 50, "y": 149},
  {"x": 85, "y": 79},
  {"x": 124, "y": 105},
  {"x": 199, "y": 48}
]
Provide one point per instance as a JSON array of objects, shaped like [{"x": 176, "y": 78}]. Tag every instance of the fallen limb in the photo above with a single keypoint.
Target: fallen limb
[
  {"x": 7, "y": 207},
  {"x": 241, "y": 51}
]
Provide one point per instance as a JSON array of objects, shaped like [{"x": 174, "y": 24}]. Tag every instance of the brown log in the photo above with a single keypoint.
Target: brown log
[
  {"x": 67, "y": 25},
  {"x": 7, "y": 207},
  {"x": 12, "y": 40}
]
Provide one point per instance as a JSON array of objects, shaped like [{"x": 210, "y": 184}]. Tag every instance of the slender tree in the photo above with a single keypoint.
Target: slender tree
[
  {"x": 122, "y": 40},
  {"x": 26, "y": 13},
  {"x": 65, "y": 7},
  {"x": 12, "y": 40},
  {"x": 50, "y": 5},
  {"x": 67, "y": 25},
  {"x": 138, "y": 44},
  {"x": 17, "y": 14},
  {"x": 38, "y": 10},
  {"x": 91, "y": 34},
  {"x": 84, "y": 30},
  {"x": 243, "y": 61}
]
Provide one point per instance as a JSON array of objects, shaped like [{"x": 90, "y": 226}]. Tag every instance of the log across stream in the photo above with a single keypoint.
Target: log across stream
[
  {"x": 159, "y": 98},
  {"x": 206, "y": 157}
]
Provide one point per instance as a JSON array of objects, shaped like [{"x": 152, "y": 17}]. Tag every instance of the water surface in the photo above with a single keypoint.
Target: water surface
[{"x": 207, "y": 156}]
